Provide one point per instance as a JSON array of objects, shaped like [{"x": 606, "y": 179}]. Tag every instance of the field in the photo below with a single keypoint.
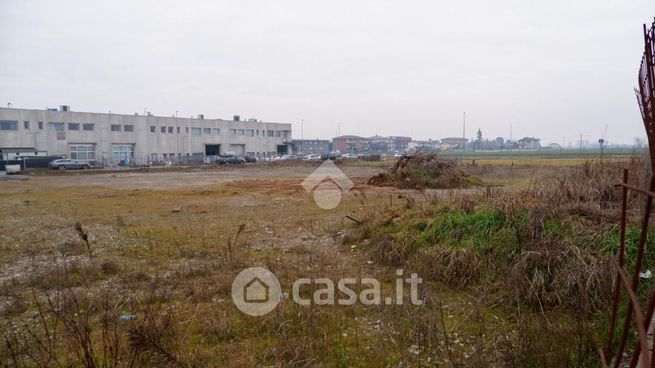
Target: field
[{"x": 134, "y": 268}]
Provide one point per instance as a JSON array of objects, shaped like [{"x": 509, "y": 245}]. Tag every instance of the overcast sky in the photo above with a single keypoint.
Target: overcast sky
[{"x": 552, "y": 69}]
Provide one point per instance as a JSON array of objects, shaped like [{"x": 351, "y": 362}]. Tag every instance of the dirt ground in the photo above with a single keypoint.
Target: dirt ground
[{"x": 195, "y": 228}]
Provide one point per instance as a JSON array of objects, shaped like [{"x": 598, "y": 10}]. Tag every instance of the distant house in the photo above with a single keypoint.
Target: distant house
[
  {"x": 350, "y": 144},
  {"x": 428, "y": 145},
  {"x": 529, "y": 143},
  {"x": 453, "y": 143},
  {"x": 311, "y": 146}
]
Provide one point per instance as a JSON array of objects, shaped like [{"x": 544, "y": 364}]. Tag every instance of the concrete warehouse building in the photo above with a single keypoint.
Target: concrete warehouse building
[{"x": 117, "y": 139}]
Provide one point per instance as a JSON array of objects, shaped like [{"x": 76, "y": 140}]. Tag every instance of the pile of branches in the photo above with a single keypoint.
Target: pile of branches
[{"x": 421, "y": 171}]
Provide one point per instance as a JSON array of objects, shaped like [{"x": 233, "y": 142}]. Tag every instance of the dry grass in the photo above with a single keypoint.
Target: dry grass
[{"x": 139, "y": 274}]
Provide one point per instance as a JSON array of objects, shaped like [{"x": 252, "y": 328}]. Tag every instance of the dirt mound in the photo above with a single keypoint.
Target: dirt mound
[{"x": 424, "y": 170}]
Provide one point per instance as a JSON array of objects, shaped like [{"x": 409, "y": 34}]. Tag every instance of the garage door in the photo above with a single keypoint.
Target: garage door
[{"x": 238, "y": 149}]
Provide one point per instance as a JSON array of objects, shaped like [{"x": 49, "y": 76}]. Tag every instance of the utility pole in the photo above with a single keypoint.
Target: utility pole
[
  {"x": 464, "y": 132},
  {"x": 302, "y": 134},
  {"x": 177, "y": 139}
]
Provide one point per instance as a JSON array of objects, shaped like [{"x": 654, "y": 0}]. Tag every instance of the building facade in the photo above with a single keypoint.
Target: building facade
[
  {"x": 350, "y": 144},
  {"x": 311, "y": 146},
  {"x": 117, "y": 139}
]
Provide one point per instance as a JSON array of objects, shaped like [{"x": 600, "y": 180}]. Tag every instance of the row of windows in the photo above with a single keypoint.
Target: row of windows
[
  {"x": 59, "y": 127},
  {"x": 265, "y": 133},
  {"x": 123, "y": 128}
]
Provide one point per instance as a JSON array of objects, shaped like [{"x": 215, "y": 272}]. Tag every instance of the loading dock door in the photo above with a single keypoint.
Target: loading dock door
[
  {"x": 282, "y": 149},
  {"x": 238, "y": 149},
  {"x": 212, "y": 149}
]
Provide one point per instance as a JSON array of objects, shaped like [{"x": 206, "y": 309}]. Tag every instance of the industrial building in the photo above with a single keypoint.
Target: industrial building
[{"x": 108, "y": 139}]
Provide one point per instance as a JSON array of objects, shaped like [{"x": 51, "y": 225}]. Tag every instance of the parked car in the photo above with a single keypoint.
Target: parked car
[
  {"x": 312, "y": 157},
  {"x": 288, "y": 158},
  {"x": 329, "y": 156},
  {"x": 66, "y": 164},
  {"x": 350, "y": 156},
  {"x": 250, "y": 159},
  {"x": 229, "y": 159},
  {"x": 399, "y": 155}
]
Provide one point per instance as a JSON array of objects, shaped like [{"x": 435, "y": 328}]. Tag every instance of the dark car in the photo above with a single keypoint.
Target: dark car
[
  {"x": 229, "y": 159},
  {"x": 65, "y": 164},
  {"x": 250, "y": 159},
  {"x": 329, "y": 156}
]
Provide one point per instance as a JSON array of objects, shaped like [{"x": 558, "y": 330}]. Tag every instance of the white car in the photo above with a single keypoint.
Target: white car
[
  {"x": 350, "y": 156},
  {"x": 399, "y": 155},
  {"x": 311, "y": 157}
]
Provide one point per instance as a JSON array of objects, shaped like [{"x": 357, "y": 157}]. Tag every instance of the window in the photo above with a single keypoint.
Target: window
[
  {"x": 73, "y": 126},
  {"x": 88, "y": 126},
  {"x": 257, "y": 134},
  {"x": 196, "y": 131},
  {"x": 178, "y": 130},
  {"x": 250, "y": 133},
  {"x": 82, "y": 152},
  {"x": 115, "y": 127},
  {"x": 8, "y": 125},
  {"x": 187, "y": 130},
  {"x": 277, "y": 133},
  {"x": 153, "y": 129},
  {"x": 241, "y": 132},
  {"x": 216, "y": 131},
  {"x": 206, "y": 131},
  {"x": 270, "y": 133},
  {"x": 233, "y": 131},
  {"x": 170, "y": 130},
  {"x": 128, "y": 128},
  {"x": 122, "y": 153},
  {"x": 26, "y": 125},
  {"x": 55, "y": 126},
  {"x": 40, "y": 125}
]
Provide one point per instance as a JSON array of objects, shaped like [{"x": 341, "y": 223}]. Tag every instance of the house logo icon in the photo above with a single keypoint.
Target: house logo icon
[
  {"x": 328, "y": 183},
  {"x": 256, "y": 291}
]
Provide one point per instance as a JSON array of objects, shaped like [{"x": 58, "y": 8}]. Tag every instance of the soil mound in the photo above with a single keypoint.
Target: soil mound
[{"x": 424, "y": 170}]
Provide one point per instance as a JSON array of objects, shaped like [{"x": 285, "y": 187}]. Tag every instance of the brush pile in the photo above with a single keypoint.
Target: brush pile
[{"x": 422, "y": 171}]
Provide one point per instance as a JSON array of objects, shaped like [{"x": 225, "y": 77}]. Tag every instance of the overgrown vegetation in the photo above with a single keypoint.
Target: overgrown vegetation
[
  {"x": 424, "y": 170},
  {"x": 544, "y": 248},
  {"x": 127, "y": 277}
]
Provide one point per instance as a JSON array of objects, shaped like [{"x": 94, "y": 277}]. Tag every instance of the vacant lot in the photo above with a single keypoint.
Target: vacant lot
[{"x": 135, "y": 268}]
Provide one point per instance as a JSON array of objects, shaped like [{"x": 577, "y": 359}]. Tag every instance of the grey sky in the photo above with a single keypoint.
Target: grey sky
[{"x": 552, "y": 69}]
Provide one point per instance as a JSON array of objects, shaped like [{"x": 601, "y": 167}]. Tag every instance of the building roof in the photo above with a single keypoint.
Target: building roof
[{"x": 349, "y": 137}]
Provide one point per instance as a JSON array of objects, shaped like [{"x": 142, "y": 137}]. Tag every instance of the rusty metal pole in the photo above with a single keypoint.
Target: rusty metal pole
[
  {"x": 617, "y": 284},
  {"x": 635, "y": 274}
]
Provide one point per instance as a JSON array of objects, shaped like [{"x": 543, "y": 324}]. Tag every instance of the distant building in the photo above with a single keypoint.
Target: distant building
[
  {"x": 121, "y": 139},
  {"x": 529, "y": 143},
  {"x": 451, "y": 143},
  {"x": 429, "y": 145},
  {"x": 311, "y": 146},
  {"x": 7, "y": 154},
  {"x": 399, "y": 143},
  {"x": 350, "y": 144}
]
